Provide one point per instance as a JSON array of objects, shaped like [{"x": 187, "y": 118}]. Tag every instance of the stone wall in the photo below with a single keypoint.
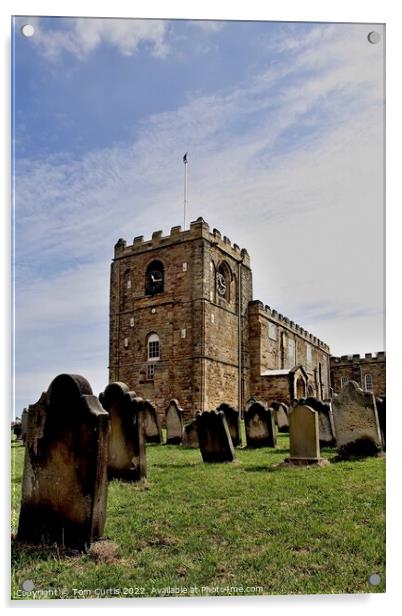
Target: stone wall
[{"x": 356, "y": 367}]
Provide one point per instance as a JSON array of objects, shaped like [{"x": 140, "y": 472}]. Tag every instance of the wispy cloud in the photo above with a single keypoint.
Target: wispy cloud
[{"x": 81, "y": 36}]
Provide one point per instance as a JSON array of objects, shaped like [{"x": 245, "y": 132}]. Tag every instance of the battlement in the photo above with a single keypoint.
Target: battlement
[
  {"x": 198, "y": 229},
  {"x": 357, "y": 359},
  {"x": 279, "y": 319}
]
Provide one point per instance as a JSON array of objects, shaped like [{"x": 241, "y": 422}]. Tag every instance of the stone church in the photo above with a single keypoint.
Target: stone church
[{"x": 183, "y": 324}]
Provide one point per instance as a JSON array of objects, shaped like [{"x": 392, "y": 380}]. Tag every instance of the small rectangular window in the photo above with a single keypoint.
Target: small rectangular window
[
  {"x": 344, "y": 380},
  {"x": 153, "y": 350},
  {"x": 368, "y": 382}
]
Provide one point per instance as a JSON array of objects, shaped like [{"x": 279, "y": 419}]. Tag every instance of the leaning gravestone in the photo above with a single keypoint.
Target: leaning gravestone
[
  {"x": 356, "y": 421},
  {"x": 174, "y": 423},
  {"x": 126, "y": 458},
  {"x": 190, "y": 436},
  {"x": 233, "y": 420},
  {"x": 17, "y": 428},
  {"x": 260, "y": 426},
  {"x": 281, "y": 416},
  {"x": 214, "y": 437},
  {"x": 64, "y": 485},
  {"x": 152, "y": 426},
  {"x": 325, "y": 420},
  {"x": 304, "y": 436}
]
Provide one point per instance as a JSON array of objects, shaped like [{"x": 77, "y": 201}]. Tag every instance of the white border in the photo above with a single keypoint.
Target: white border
[{"x": 385, "y": 11}]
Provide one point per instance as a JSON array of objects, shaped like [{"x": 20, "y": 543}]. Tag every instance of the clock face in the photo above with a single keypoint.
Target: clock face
[
  {"x": 154, "y": 281},
  {"x": 221, "y": 284}
]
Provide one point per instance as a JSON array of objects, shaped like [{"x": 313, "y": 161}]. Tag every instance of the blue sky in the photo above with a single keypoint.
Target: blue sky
[{"x": 284, "y": 128}]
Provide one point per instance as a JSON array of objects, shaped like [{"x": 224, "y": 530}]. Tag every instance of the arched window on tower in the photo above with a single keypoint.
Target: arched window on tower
[
  {"x": 154, "y": 278},
  {"x": 223, "y": 280}
]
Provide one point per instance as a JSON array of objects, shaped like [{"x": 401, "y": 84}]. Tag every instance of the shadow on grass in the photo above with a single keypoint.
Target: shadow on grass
[
  {"x": 264, "y": 469},
  {"x": 26, "y": 553},
  {"x": 176, "y": 465}
]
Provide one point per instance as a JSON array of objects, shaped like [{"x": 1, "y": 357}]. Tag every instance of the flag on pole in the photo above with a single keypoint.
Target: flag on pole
[{"x": 185, "y": 158}]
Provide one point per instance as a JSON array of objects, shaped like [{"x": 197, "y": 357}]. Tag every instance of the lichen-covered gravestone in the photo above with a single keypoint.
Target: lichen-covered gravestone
[
  {"x": 356, "y": 421},
  {"x": 214, "y": 437},
  {"x": 304, "y": 436},
  {"x": 24, "y": 423},
  {"x": 64, "y": 485},
  {"x": 190, "y": 436},
  {"x": 381, "y": 412},
  {"x": 233, "y": 420},
  {"x": 127, "y": 457},
  {"x": 325, "y": 420},
  {"x": 260, "y": 425},
  {"x": 152, "y": 426},
  {"x": 281, "y": 416},
  {"x": 174, "y": 423}
]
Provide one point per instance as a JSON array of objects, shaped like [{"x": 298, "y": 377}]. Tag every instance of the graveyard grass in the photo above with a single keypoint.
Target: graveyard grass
[{"x": 230, "y": 529}]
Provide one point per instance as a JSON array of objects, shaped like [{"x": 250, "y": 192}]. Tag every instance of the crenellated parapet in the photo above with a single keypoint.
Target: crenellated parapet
[
  {"x": 357, "y": 359},
  {"x": 279, "y": 319},
  {"x": 198, "y": 229}
]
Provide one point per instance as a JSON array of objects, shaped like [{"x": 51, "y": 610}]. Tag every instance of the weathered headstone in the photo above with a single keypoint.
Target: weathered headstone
[
  {"x": 304, "y": 436},
  {"x": 214, "y": 437},
  {"x": 233, "y": 420},
  {"x": 126, "y": 446},
  {"x": 17, "y": 428},
  {"x": 64, "y": 486},
  {"x": 260, "y": 426},
  {"x": 190, "y": 436},
  {"x": 174, "y": 423},
  {"x": 281, "y": 416},
  {"x": 24, "y": 423},
  {"x": 325, "y": 420},
  {"x": 152, "y": 425},
  {"x": 381, "y": 411},
  {"x": 356, "y": 421}
]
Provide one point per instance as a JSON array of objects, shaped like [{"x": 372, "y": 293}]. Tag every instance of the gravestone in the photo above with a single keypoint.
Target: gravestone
[
  {"x": 304, "y": 441},
  {"x": 233, "y": 420},
  {"x": 190, "y": 436},
  {"x": 174, "y": 423},
  {"x": 260, "y": 426},
  {"x": 381, "y": 411},
  {"x": 152, "y": 426},
  {"x": 126, "y": 445},
  {"x": 281, "y": 416},
  {"x": 17, "y": 428},
  {"x": 356, "y": 421},
  {"x": 64, "y": 485},
  {"x": 325, "y": 420},
  {"x": 214, "y": 437},
  {"x": 24, "y": 420}
]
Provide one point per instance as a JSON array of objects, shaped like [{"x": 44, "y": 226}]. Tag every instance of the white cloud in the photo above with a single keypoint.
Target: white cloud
[{"x": 82, "y": 36}]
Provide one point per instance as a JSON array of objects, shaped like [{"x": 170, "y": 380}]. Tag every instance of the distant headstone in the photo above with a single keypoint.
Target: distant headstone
[
  {"x": 126, "y": 446},
  {"x": 381, "y": 412},
  {"x": 17, "y": 428},
  {"x": 214, "y": 437},
  {"x": 260, "y": 426},
  {"x": 64, "y": 485},
  {"x": 24, "y": 421},
  {"x": 281, "y": 416},
  {"x": 303, "y": 435},
  {"x": 152, "y": 426},
  {"x": 233, "y": 420},
  {"x": 325, "y": 420},
  {"x": 190, "y": 436},
  {"x": 356, "y": 421},
  {"x": 174, "y": 423}
]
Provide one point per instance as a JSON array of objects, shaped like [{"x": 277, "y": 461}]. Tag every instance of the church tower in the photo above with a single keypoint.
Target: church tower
[{"x": 178, "y": 318}]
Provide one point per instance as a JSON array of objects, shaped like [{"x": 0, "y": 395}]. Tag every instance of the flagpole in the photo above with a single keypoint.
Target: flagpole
[{"x": 185, "y": 189}]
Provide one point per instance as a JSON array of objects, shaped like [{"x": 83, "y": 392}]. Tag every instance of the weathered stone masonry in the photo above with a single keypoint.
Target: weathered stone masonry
[{"x": 183, "y": 325}]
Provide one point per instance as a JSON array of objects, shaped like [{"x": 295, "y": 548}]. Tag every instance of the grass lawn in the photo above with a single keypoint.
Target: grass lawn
[{"x": 225, "y": 529}]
